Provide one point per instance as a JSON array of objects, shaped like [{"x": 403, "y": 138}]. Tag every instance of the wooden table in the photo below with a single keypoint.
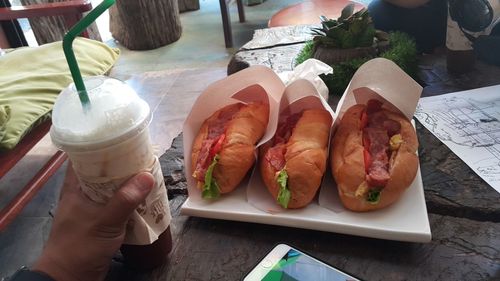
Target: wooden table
[
  {"x": 308, "y": 12},
  {"x": 464, "y": 215}
]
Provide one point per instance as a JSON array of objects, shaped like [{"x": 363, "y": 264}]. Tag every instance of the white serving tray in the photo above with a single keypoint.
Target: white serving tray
[{"x": 406, "y": 220}]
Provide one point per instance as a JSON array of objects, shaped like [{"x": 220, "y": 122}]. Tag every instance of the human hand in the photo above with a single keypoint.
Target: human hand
[{"x": 86, "y": 235}]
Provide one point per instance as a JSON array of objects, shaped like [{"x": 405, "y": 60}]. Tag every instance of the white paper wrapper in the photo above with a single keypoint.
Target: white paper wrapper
[
  {"x": 256, "y": 83},
  {"x": 309, "y": 70},
  {"x": 379, "y": 79},
  {"x": 299, "y": 95}
]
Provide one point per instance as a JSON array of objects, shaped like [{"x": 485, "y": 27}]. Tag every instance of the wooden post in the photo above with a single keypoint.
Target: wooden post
[
  {"x": 145, "y": 24},
  {"x": 188, "y": 5},
  {"x": 50, "y": 29}
]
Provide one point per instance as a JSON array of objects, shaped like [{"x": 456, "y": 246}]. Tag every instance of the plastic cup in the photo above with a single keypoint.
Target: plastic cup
[{"x": 108, "y": 145}]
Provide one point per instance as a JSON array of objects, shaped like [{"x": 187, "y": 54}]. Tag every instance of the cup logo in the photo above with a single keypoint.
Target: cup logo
[
  {"x": 142, "y": 209},
  {"x": 158, "y": 210},
  {"x": 99, "y": 191}
]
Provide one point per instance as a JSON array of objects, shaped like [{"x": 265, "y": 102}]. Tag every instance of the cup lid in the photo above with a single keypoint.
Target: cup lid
[{"x": 116, "y": 110}]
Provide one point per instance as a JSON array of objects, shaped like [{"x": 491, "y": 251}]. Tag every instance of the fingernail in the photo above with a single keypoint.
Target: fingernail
[{"x": 145, "y": 181}]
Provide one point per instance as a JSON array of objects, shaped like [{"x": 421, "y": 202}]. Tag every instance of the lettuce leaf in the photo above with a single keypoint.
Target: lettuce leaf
[
  {"x": 373, "y": 196},
  {"x": 210, "y": 189},
  {"x": 284, "y": 193}
]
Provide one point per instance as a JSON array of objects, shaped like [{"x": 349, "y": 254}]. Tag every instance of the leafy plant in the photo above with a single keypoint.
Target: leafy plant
[
  {"x": 403, "y": 52},
  {"x": 350, "y": 30}
]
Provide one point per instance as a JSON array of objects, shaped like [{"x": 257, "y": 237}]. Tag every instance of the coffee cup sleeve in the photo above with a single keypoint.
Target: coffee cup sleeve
[{"x": 153, "y": 216}]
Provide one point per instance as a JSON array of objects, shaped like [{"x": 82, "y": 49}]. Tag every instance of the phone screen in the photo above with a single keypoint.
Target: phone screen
[{"x": 296, "y": 266}]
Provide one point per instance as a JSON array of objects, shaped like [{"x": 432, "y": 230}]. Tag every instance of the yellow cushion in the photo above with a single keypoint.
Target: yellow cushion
[
  {"x": 4, "y": 117},
  {"x": 31, "y": 79}
]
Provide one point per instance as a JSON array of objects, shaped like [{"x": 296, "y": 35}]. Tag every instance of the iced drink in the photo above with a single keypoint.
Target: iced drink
[{"x": 108, "y": 144}]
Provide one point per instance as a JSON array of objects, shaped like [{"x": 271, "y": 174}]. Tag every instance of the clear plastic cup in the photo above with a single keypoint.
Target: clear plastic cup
[{"x": 108, "y": 145}]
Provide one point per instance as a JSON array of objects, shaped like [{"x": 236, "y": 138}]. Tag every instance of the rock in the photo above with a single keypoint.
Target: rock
[
  {"x": 207, "y": 249},
  {"x": 451, "y": 187},
  {"x": 172, "y": 166}
]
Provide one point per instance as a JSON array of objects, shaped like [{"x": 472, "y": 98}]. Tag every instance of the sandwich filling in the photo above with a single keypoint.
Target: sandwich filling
[
  {"x": 210, "y": 150},
  {"x": 276, "y": 156},
  {"x": 381, "y": 137}
]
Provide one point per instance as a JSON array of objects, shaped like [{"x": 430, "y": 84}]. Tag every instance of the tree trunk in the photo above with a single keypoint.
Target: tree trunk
[
  {"x": 145, "y": 24},
  {"x": 188, "y": 5},
  {"x": 50, "y": 29}
]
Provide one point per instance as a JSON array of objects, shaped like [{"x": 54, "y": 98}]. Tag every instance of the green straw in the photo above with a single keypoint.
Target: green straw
[{"x": 70, "y": 55}]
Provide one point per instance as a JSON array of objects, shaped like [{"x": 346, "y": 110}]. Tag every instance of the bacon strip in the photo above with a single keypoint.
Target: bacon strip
[
  {"x": 378, "y": 174},
  {"x": 215, "y": 137},
  {"x": 276, "y": 154},
  {"x": 376, "y": 135}
]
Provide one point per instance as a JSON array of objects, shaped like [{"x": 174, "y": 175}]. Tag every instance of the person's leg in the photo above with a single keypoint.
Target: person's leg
[{"x": 427, "y": 24}]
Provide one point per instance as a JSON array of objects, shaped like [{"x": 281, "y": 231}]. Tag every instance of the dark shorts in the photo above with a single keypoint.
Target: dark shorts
[{"x": 427, "y": 24}]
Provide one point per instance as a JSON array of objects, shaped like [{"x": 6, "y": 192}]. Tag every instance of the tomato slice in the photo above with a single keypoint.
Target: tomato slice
[
  {"x": 217, "y": 146},
  {"x": 366, "y": 141},
  {"x": 368, "y": 159},
  {"x": 364, "y": 120}
]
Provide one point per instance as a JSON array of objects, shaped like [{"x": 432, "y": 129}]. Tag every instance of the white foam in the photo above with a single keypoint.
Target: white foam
[{"x": 115, "y": 109}]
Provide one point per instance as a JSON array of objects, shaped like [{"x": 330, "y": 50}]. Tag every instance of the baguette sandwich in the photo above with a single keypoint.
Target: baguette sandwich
[
  {"x": 224, "y": 149},
  {"x": 373, "y": 156},
  {"x": 292, "y": 164}
]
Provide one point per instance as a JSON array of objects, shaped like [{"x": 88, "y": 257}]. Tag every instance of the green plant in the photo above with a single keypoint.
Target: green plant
[
  {"x": 342, "y": 73},
  {"x": 350, "y": 30},
  {"x": 402, "y": 51},
  {"x": 307, "y": 52}
]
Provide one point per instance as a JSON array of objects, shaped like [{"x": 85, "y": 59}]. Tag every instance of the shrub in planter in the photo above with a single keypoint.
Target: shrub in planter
[{"x": 401, "y": 50}]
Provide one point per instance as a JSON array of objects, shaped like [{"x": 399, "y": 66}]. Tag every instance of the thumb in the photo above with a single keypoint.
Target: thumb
[{"x": 128, "y": 198}]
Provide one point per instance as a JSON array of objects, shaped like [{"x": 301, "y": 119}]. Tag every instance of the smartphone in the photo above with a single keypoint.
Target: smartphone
[{"x": 285, "y": 263}]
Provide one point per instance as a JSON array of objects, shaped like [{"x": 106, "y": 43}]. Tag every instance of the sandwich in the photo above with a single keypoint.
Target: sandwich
[
  {"x": 373, "y": 156},
  {"x": 293, "y": 162},
  {"x": 224, "y": 149}
]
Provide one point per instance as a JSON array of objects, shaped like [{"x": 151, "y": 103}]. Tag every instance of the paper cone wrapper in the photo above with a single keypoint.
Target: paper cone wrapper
[
  {"x": 254, "y": 84},
  {"x": 379, "y": 79},
  {"x": 387, "y": 83},
  {"x": 298, "y": 96}
]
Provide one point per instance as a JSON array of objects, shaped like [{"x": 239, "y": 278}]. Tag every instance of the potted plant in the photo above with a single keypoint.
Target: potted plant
[{"x": 350, "y": 36}]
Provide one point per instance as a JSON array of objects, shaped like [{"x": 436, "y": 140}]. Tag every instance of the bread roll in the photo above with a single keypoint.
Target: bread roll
[
  {"x": 241, "y": 126},
  {"x": 348, "y": 162},
  {"x": 305, "y": 157}
]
